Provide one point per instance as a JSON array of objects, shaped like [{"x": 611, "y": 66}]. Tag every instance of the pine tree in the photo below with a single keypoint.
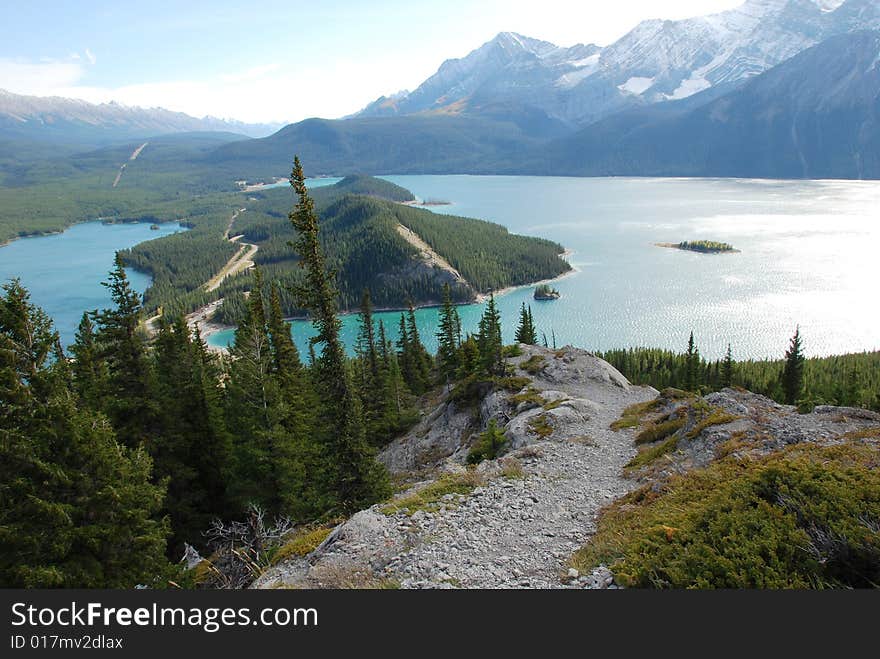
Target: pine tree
[
  {"x": 253, "y": 408},
  {"x": 727, "y": 368},
  {"x": 356, "y": 479},
  {"x": 489, "y": 340},
  {"x": 525, "y": 332},
  {"x": 130, "y": 403},
  {"x": 194, "y": 449},
  {"x": 77, "y": 510},
  {"x": 89, "y": 370},
  {"x": 692, "y": 364},
  {"x": 447, "y": 335},
  {"x": 793, "y": 372},
  {"x": 421, "y": 358}
]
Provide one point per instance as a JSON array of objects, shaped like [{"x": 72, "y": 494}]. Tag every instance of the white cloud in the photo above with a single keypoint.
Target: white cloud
[
  {"x": 40, "y": 78},
  {"x": 90, "y": 56}
]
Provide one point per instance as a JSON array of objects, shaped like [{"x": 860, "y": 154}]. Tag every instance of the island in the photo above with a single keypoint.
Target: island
[
  {"x": 545, "y": 292},
  {"x": 154, "y": 227},
  {"x": 701, "y": 246}
]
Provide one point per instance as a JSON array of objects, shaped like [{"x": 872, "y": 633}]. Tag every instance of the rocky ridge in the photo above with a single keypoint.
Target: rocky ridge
[{"x": 515, "y": 522}]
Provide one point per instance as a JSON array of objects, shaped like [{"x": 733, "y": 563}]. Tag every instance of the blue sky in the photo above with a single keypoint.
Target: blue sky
[{"x": 280, "y": 61}]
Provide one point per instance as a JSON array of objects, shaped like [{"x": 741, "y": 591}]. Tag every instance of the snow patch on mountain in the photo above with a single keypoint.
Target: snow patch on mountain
[
  {"x": 636, "y": 85},
  {"x": 689, "y": 87}
]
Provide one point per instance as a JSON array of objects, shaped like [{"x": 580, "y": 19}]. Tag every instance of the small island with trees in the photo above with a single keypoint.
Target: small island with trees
[
  {"x": 702, "y": 246},
  {"x": 546, "y": 292}
]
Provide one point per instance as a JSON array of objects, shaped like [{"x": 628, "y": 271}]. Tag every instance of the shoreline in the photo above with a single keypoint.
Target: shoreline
[{"x": 201, "y": 317}]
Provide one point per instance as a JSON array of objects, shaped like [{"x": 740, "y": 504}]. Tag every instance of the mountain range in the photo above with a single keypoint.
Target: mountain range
[
  {"x": 70, "y": 120},
  {"x": 657, "y": 61},
  {"x": 773, "y": 88}
]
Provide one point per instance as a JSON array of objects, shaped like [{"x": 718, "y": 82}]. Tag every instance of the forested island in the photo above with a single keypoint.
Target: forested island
[
  {"x": 701, "y": 246},
  {"x": 546, "y": 292}
]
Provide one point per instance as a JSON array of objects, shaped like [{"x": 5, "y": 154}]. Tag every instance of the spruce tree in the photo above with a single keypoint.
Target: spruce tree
[
  {"x": 194, "y": 449},
  {"x": 447, "y": 335},
  {"x": 489, "y": 342},
  {"x": 525, "y": 332},
  {"x": 130, "y": 402},
  {"x": 727, "y": 368},
  {"x": 692, "y": 364},
  {"x": 356, "y": 479},
  {"x": 793, "y": 372},
  {"x": 89, "y": 370},
  {"x": 421, "y": 358},
  {"x": 77, "y": 510}
]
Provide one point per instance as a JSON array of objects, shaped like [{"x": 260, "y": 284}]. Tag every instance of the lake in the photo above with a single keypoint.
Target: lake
[
  {"x": 64, "y": 271},
  {"x": 808, "y": 256}
]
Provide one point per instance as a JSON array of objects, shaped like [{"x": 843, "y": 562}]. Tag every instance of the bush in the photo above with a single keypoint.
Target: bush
[
  {"x": 805, "y": 517},
  {"x": 488, "y": 445}
]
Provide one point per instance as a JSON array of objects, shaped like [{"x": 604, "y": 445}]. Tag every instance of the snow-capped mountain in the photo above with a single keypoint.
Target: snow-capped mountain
[{"x": 656, "y": 61}]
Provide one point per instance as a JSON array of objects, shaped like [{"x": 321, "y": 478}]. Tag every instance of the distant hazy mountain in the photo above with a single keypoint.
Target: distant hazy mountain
[
  {"x": 816, "y": 115},
  {"x": 655, "y": 62},
  {"x": 71, "y": 120},
  {"x": 421, "y": 144}
]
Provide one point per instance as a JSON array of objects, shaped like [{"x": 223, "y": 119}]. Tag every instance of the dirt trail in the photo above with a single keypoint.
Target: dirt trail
[
  {"x": 133, "y": 156},
  {"x": 242, "y": 260}
]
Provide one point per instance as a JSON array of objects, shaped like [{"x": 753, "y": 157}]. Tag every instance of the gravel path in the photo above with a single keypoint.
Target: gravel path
[
  {"x": 520, "y": 532},
  {"x": 532, "y": 510}
]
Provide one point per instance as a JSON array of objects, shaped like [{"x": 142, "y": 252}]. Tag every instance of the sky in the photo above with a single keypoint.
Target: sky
[{"x": 280, "y": 61}]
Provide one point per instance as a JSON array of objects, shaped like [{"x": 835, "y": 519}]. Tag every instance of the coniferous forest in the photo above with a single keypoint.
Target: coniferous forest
[{"x": 124, "y": 450}]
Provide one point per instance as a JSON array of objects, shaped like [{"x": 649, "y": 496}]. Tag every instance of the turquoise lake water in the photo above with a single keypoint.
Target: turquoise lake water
[
  {"x": 64, "y": 271},
  {"x": 808, "y": 256}
]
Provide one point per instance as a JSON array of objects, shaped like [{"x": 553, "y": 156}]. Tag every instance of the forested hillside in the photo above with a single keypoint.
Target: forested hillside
[{"x": 360, "y": 234}]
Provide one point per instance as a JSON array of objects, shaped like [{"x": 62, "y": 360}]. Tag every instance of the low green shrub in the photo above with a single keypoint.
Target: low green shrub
[
  {"x": 488, "y": 445},
  {"x": 805, "y": 517}
]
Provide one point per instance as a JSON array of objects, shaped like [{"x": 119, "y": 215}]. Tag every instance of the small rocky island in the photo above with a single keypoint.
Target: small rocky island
[
  {"x": 545, "y": 292},
  {"x": 702, "y": 246}
]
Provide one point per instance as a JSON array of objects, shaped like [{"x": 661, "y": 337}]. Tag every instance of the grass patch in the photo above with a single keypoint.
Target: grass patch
[
  {"x": 530, "y": 395},
  {"x": 533, "y": 364},
  {"x": 804, "y": 517},
  {"x": 864, "y": 433},
  {"x": 429, "y": 497},
  {"x": 513, "y": 383},
  {"x": 552, "y": 405},
  {"x": 512, "y": 469},
  {"x": 303, "y": 543},
  {"x": 540, "y": 425},
  {"x": 716, "y": 417},
  {"x": 654, "y": 432},
  {"x": 632, "y": 415},
  {"x": 648, "y": 454}
]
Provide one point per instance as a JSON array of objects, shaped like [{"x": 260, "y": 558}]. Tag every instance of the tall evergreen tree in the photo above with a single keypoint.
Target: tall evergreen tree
[
  {"x": 130, "y": 404},
  {"x": 76, "y": 508},
  {"x": 692, "y": 365},
  {"x": 420, "y": 356},
  {"x": 447, "y": 335},
  {"x": 727, "y": 368},
  {"x": 526, "y": 332},
  {"x": 89, "y": 370},
  {"x": 489, "y": 340},
  {"x": 793, "y": 372},
  {"x": 356, "y": 478},
  {"x": 194, "y": 449}
]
